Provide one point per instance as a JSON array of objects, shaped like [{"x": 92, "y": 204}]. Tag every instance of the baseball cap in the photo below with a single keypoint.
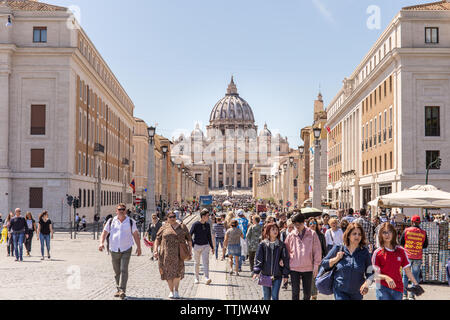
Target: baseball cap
[
  {"x": 263, "y": 215},
  {"x": 415, "y": 218}
]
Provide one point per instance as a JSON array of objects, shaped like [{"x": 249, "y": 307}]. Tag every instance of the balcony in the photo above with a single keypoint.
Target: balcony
[
  {"x": 125, "y": 162},
  {"x": 99, "y": 148}
]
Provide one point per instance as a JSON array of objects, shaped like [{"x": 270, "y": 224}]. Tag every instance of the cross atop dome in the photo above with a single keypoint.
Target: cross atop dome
[{"x": 232, "y": 90}]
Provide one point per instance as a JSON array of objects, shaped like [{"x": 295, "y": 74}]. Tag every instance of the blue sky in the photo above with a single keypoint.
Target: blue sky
[{"x": 175, "y": 58}]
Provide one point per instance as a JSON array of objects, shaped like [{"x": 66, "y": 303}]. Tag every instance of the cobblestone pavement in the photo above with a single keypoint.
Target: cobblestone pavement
[{"x": 78, "y": 271}]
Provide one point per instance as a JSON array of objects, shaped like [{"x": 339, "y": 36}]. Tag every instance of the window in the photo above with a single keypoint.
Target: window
[
  {"x": 390, "y": 84},
  {"x": 431, "y": 157},
  {"x": 385, "y": 161},
  {"x": 36, "y": 198},
  {"x": 84, "y": 198},
  {"x": 431, "y": 35},
  {"x": 375, "y": 166},
  {"x": 40, "y": 34},
  {"x": 432, "y": 122},
  {"x": 37, "y": 158},
  {"x": 390, "y": 160},
  {"x": 37, "y": 120}
]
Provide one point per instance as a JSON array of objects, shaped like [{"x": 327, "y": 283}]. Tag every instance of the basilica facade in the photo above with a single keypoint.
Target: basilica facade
[{"x": 232, "y": 145}]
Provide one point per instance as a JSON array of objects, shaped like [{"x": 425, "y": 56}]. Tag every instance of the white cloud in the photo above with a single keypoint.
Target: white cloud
[{"x": 324, "y": 11}]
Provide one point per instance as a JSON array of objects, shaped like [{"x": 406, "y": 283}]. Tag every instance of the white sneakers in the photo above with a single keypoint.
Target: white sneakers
[
  {"x": 208, "y": 281},
  {"x": 174, "y": 295}
]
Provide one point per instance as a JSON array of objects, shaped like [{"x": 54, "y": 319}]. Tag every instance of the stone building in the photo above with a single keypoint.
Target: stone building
[
  {"x": 231, "y": 147},
  {"x": 390, "y": 119},
  {"x": 66, "y": 124}
]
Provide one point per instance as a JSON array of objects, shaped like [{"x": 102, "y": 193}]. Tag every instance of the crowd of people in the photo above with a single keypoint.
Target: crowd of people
[
  {"x": 289, "y": 248},
  {"x": 17, "y": 231},
  {"x": 283, "y": 249}
]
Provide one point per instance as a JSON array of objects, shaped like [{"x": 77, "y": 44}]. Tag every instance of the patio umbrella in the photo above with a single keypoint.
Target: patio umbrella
[
  {"x": 419, "y": 196},
  {"x": 311, "y": 212}
]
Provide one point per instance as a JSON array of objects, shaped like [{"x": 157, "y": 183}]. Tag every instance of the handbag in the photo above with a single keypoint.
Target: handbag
[
  {"x": 184, "y": 250},
  {"x": 265, "y": 281},
  {"x": 324, "y": 280}
]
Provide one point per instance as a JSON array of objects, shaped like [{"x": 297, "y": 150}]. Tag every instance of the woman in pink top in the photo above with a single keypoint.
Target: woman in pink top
[{"x": 305, "y": 255}]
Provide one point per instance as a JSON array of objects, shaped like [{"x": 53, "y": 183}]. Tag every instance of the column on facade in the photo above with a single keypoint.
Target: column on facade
[
  {"x": 216, "y": 165},
  {"x": 244, "y": 174},
  {"x": 235, "y": 175},
  {"x": 225, "y": 173},
  {"x": 5, "y": 183}
]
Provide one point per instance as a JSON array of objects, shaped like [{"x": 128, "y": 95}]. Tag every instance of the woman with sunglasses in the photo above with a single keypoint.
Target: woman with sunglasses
[
  {"x": 167, "y": 251},
  {"x": 388, "y": 260}
]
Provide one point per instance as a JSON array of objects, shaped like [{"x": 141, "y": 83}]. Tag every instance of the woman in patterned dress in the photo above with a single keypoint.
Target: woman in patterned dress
[{"x": 167, "y": 251}]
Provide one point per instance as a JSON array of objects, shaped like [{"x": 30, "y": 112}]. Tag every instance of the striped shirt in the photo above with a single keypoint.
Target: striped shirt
[{"x": 219, "y": 230}]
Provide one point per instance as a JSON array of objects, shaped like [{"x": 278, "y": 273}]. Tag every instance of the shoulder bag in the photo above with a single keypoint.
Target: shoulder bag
[
  {"x": 266, "y": 281},
  {"x": 324, "y": 280},
  {"x": 184, "y": 248}
]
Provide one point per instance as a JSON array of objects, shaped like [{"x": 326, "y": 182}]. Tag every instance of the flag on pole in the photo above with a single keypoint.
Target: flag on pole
[
  {"x": 328, "y": 129},
  {"x": 310, "y": 188},
  {"x": 133, "y": 186}
]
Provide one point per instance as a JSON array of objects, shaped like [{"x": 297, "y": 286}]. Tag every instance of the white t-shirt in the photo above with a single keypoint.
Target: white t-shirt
[
  {"x": 120, "y": 234},
  {"x": 334, "y": 238}
]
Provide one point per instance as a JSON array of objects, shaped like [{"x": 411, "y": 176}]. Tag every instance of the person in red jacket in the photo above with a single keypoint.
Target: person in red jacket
[{"x": 414, "y": 240}]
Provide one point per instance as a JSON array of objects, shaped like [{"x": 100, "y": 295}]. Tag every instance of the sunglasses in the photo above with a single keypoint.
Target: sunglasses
[
  {"x": 121, "y": 209},
  {"x": 386, "y": 233},
  {"x": 171, "y": 217},
  {"x": 312, "y": 223}
]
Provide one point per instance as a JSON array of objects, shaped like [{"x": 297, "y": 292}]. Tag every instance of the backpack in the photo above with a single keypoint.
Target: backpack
[{"x": 109, "y": 233}]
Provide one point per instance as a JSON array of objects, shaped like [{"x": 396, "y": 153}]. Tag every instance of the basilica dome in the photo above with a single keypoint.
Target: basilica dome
[{"x": 232, "y": 108}]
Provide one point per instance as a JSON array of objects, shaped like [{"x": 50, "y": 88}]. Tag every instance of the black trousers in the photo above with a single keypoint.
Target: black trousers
[
  {"x": 28, "y": 241},
  {"x": 251, "y": 258},
  {"x": 10, "y": 244},
  {"x": 306, "y": 278}
]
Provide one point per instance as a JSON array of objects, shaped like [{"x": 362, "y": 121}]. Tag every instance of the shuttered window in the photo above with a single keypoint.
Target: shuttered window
[
  {"x": 37, "y": 158},
  {"x": 37, "y": 120},
  {"x": 36, "y": 198}
]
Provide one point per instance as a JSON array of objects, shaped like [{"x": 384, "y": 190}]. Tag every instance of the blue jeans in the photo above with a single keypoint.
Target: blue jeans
[
  {"x": 218, "y": 241},
  {"x": 18, "y": 244},
  {"x": 385, "y": 293},
  {"x": 415, "y": 269},
  {"x": 341, "y": 295},
  {"x": 274, "y": 291},
  {"x": 46, "y": 238}
]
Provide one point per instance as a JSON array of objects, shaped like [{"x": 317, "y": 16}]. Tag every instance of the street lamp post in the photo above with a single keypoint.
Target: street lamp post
[
  {"x": 317, "y": 198},
  {"x": 179, "y": 183},
  {"x": 164, "y": 150},
  {"x": 150, "y": 196},
  {"x": 301, "y": 150}
]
